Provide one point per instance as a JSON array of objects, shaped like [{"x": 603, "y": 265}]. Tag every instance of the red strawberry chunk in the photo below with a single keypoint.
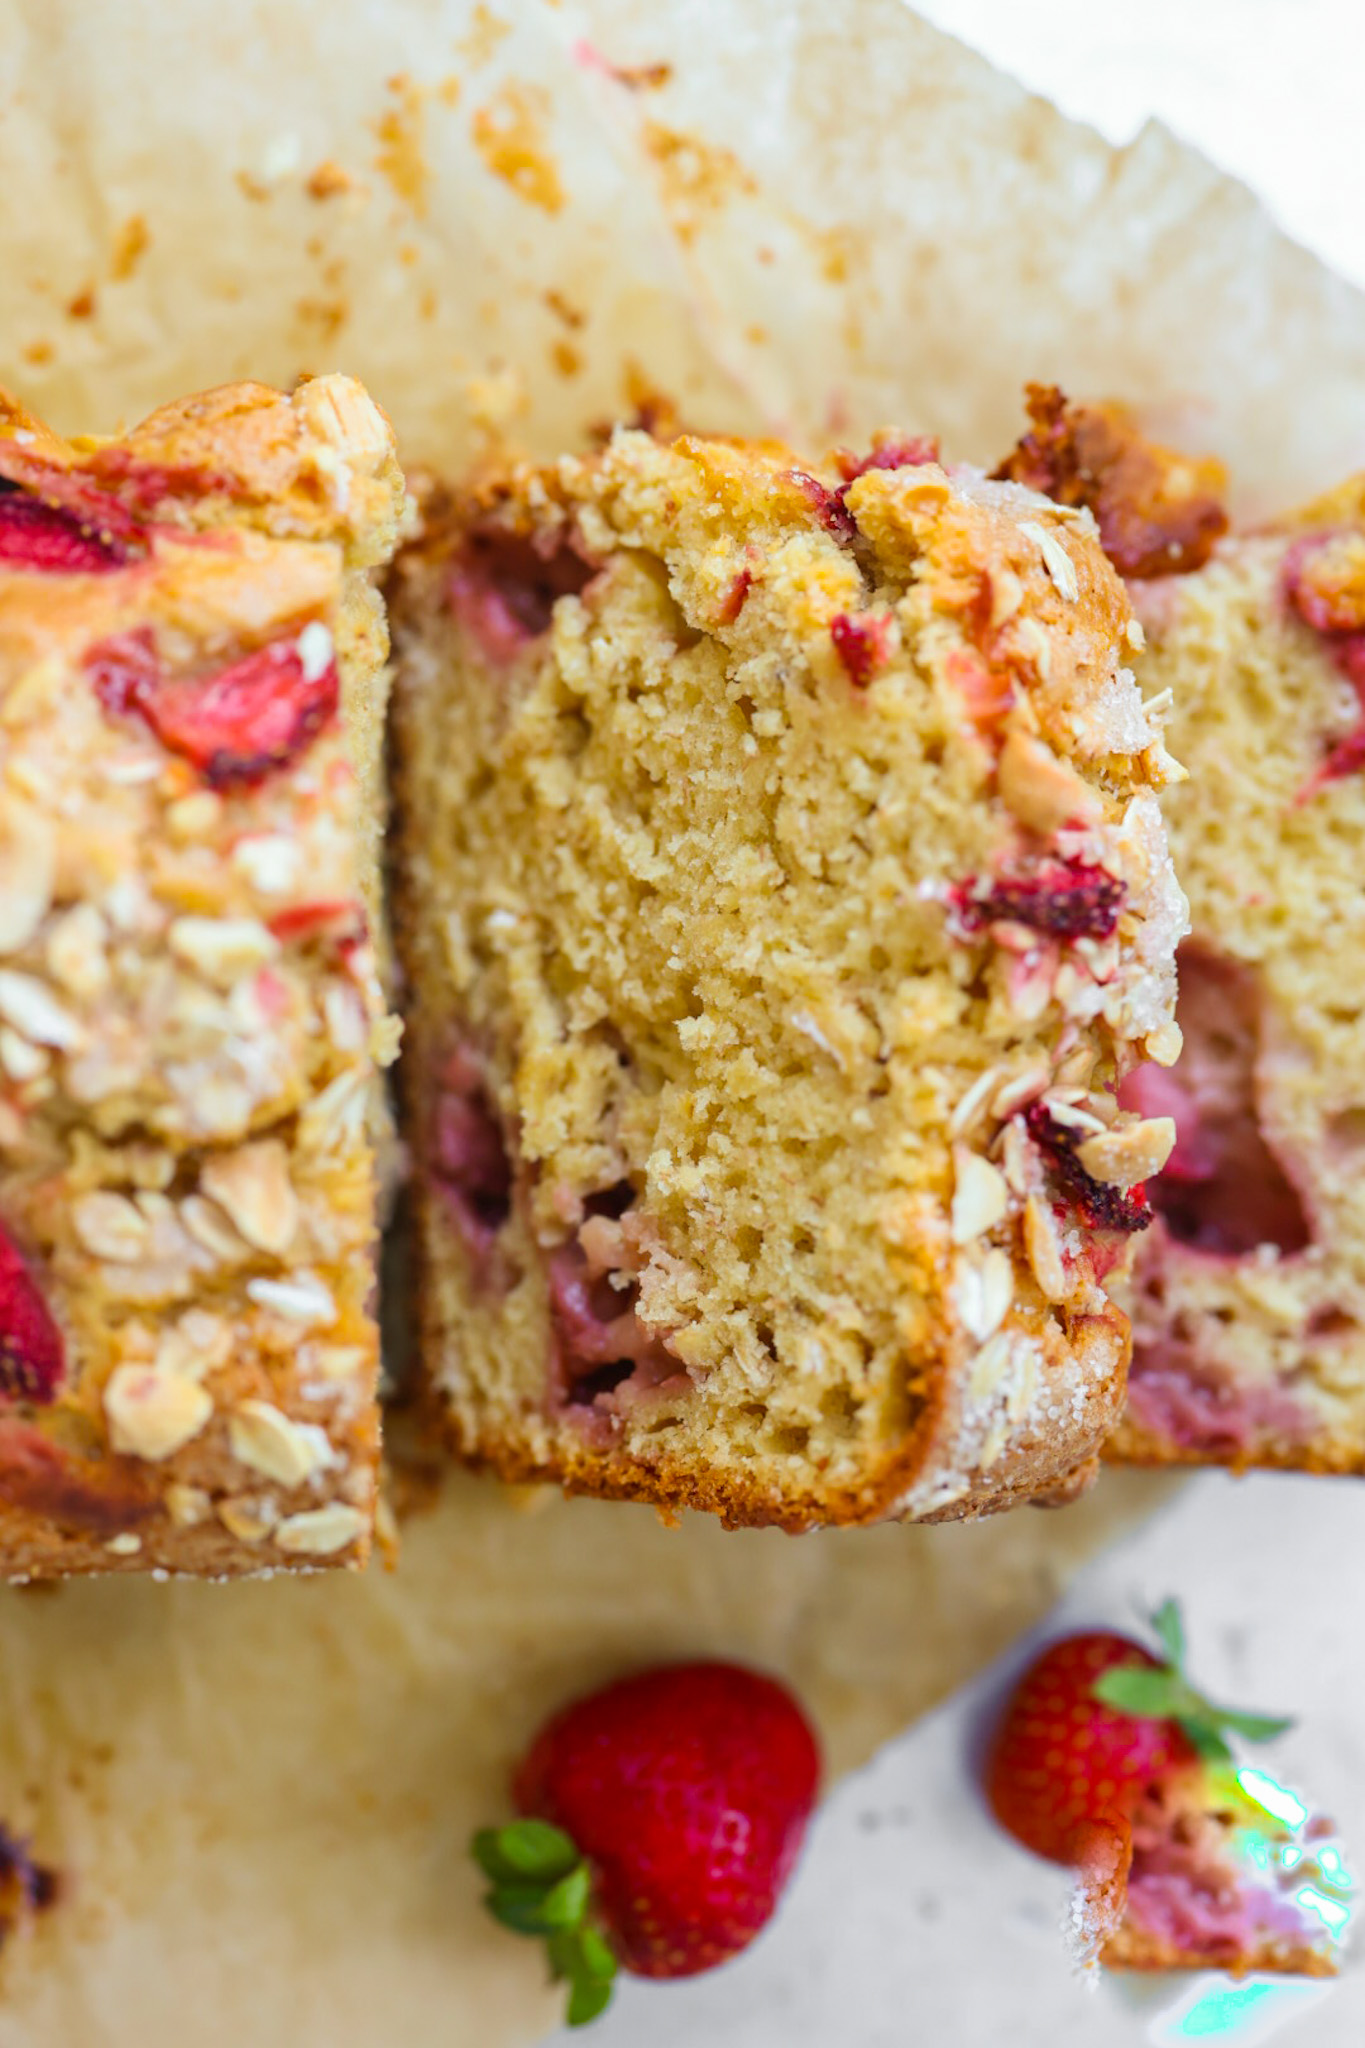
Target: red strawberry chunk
[
  {"x": 44, "y": 1479},
  {"x": 688, "y": 1789},
  {"x": 732, "y": 604},
  {"x": 42, "y": 537},
  {"x": 337, "y": 916},
  {"x": 828, "y": 506},
  {"x": 236, "y": 725},
  {"x": 32, "y": 1364},
  {"x": 861, "y": 645},
  {"x": 504, "y": 587},
  {"x": 1063, "y": 1764},
  {"x": 1099, "y": 1206},
  {"x": 471, "y": 1166},
  {"x": 1070, "y": 899}
]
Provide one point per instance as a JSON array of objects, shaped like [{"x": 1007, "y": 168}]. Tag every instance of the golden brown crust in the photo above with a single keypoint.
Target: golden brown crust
[
  {"x": 1130, "y": 1444},
  {"x": 1134, "y": 1949},
  {"x": 189, "y": 1009},
  {"x": 318, "y": 465}
]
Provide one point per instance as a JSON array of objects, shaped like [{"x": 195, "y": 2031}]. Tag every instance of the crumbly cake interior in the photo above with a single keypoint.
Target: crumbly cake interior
[
  {"x": 1249, "y": 1300},
  {"x": 190, "y": 1015},
  {"x": 1229, "y": 1871},
  {"x": 782, "y": 890}
]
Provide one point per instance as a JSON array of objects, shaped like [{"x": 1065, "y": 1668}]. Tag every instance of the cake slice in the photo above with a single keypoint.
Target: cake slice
[
  {"x": 1248, "y": 1301},
  {"x": 191, "y": 698},
  {"x": 781, "y": 891},
  {"x": 1229, "y": 1871}
]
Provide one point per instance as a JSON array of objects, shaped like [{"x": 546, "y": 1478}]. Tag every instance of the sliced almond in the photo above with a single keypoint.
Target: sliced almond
[
  {"x": 222, "y": 948},
  {"x": 1056, "y": 560},
  {"x": 28, "y": 1005},
  {"x": 247, "y": 1519},
  {"x": 1165, "y": 1044},
  {"x": 341, "y": 413},
  {"x": 269, "y": 1441},
  {"x": 211, "y": 1231},
  {"x": 1018, "y": 1092},
  {"x": 971, "y": 1104},
  {"x": 187, "y": 1506},
  {"x": 109, "y": 1227},
  {"x": 1043, "y": 1251},
  {"x": 301, "y": 1299},
  {"x": 153, "y": 1414},
  {"x": 76, "y": 956},
  {"x": 320, "y": 1531},
  {"x": 28, "y": 866},
  {"x": 253, "y": 1187},
  {"x": 1130, "y": 1153},
  {"x": 980, "y": 1196},
  {"x": 989, "y": 1366}
]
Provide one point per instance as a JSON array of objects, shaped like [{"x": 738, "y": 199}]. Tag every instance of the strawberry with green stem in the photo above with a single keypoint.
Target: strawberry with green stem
[
  {"x": 1095, "y": 1721},
  {"x": 663, "y": 1818}
]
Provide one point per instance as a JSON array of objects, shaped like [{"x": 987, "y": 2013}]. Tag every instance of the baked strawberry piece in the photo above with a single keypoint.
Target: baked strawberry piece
[
  {"x": 1107, "y": 1759},
  {"x": 665, "y": 1817},
  {"x": 782, "y": 892},
  {"x": 191, "y": 655},
  {"x": 1248, "y": 1301}
]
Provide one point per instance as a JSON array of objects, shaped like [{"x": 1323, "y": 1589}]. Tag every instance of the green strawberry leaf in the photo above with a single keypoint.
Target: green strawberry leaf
[
  {"x": 566, "y": 1902},
  {"x": 1254, "y": 1727},
  {"x": 589, "y": 1997},
  {"x": 485, "y": 1848},
  {"x": 1170, "y": 1627},
  {"x": 1148, "y": 1693},
  {"x": 520, "y": 1907},
  {"x": 1207, "y": 1739},
  {"x": 598, "y": 1959},
  {"x": 565, "y": 1952},
  {"x": 1163, "y": 1693},
  {"x": 524, "y": 1848},
  {"x": 540, "y": 1885}
]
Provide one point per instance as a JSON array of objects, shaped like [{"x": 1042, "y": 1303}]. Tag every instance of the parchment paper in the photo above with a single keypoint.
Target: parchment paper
[{"x": 817, "y": 215}]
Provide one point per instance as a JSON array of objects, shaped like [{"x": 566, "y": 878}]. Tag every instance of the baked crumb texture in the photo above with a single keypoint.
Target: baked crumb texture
[
  {"x": 1248, "y": 1301},
  {"x": 1229, "y": 1871},
  {"x": 191, "y": 702},
  {"x": 782, "y": 889}
]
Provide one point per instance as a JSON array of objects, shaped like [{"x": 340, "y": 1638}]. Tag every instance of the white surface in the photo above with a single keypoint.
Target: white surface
[
  {"x": 915, "y": 1923},
  {"x": 1270, "y": 89}
]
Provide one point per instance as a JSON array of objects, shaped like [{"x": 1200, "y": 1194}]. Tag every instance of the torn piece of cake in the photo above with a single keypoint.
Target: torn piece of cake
[
  {"x": 1248, "y": 1303},
  {"x": 1108, "y": 1759},
  {"x": 782, "y": 889},
  {"x": 191, "y": 704},
  {"x": 1231, "y": 1872}
]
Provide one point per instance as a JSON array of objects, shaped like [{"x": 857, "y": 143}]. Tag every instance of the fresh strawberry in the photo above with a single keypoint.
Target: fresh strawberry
[
  {"x": 38, "y": 536},
  {"x": 1095, "y": 1723},
  {"x": 665, "y": 1816},
  {"x": 236, "y": 725},
  {"x": 31, "y": 1361}
]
